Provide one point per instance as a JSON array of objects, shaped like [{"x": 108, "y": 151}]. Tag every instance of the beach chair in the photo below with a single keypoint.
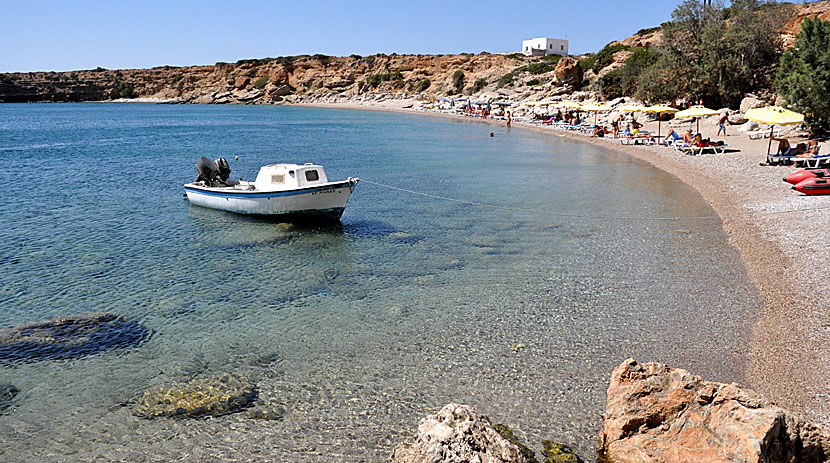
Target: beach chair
[
  {"x": 781, "y": 159},
  {"x": 816, "y": 162},
  {"x": 694, "y": 150},
  {"x": 760, "y": 134}
]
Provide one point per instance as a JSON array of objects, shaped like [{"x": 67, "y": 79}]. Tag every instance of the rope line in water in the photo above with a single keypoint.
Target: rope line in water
[{"x": 597, "y": 217}]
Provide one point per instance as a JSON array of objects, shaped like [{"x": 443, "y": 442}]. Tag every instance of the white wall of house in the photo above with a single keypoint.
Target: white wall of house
[{"x": 544, "y": 46}]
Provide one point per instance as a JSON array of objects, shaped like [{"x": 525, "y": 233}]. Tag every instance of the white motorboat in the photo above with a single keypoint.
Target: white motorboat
[{"x": 290, "y": 191}]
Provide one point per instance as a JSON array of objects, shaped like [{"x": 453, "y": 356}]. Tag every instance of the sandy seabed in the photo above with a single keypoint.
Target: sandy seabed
[{"x": 780, "y": 235}]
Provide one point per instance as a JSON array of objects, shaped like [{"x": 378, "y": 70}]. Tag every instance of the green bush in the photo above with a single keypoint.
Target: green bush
[
  {"x": 421, "y": 85},
  {"x": 533, "y": 82},
  {"x": 251, "y": 72},
  {"x": 176, "y": 79},
  {"x": 458, "y": 81},
  {"x": 261, "y": 82},
  {"x": 588, "y": 62},
  {"x": 538, "y": 68},
  {"x": 516, "y": 56},
  {"x": 610, "y": 85},
  {"x": 606, "y": 55},
  {"x": 478, "y": 85},
  {"x": 125, "y": 90},
  {"x": 804, "y": 75},
  {"x": 375, "y": 80}
]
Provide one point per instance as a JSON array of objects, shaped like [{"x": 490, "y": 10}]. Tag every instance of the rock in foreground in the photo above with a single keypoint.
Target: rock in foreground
[
  {"x": 68, "y": 338},
  {"x": 457, "y": 434},
  {"x": 659, "y": 414},
  {"x": 212, "y": 396}
]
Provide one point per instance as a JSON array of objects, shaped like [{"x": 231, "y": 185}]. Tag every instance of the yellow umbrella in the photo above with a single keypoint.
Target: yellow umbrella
[
  {"x": 697, "y": 111},
  {"x": 774, "y": 115},
  {"x": 660, "y": 109},
  {"x": 568, "y": 104},
  {"x": 631, "y": 108},
  {"x": 595, "y": 108}
]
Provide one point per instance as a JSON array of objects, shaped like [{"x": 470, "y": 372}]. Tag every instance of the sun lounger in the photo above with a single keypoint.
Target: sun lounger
[
  {"x": 781, "y": 159},
  {"x": 815, "y": 162},
  {"x": 695, "y": 150},
  {"x": 638, "y": 140},
  {"x": 759, "y": 134}
]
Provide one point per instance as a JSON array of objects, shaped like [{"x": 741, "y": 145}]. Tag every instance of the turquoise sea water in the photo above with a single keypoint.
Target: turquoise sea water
[{"x": 356, "y": 330}]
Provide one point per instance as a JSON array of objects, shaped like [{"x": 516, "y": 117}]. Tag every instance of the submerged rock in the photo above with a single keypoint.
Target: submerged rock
[
  {"x": 212, "y": 396},
  {"x": 659, "y": 414},
  {"x": 7, "y": 394},
  {"x": 559, "y": 453},
  {"x": 457, "y": 433},
  {"x": 507, "y": 433},
  {"x": 72, "y": 337},
  {"x": 266, "y": 412}
]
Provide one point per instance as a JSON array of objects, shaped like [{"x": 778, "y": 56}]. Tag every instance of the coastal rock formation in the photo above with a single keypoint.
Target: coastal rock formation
[
  {"x": 751, "y": 102},
  {"x": 211, "y": 396},
  {"x": 72, "y": 337},
  {"x": 457, "y": 434},
  {"x": 568, "y": 72},
  {"x": 7, "y": 394},
  {"x": 659, "y": 414}
]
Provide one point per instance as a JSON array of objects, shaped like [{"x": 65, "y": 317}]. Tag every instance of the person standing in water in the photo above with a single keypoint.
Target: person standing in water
[{"x": 509, "y": 119}]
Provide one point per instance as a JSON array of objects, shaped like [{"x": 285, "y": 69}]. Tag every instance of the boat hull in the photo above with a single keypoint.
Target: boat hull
[
  {"x": 324, "y": 201},
  {"x": 813, "y": 186},
  {"x": 797, "y": 177}
]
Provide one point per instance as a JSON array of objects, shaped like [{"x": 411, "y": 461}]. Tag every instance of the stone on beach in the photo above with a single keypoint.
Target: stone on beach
[
  {"x": 457, "y": 434},
  {"x": 211, "y": 396},
  {"x": 71, "y": 337},
  {"x": 659, "y": 414}
]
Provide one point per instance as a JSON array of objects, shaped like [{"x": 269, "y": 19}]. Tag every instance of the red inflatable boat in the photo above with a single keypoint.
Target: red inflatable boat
[
  {"x": 797, "y": 177},
  {"x": 814, "y": 186}
]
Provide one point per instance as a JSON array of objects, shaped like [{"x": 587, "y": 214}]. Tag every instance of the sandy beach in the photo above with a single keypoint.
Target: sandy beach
[{"x": 779, "y": 234}]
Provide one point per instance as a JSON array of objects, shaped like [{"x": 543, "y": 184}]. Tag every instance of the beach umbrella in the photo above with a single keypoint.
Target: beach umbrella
[
  {"x": 595, "y": 108},
  {"x": 568, "y": 104},
  {"x": 774, "y": 115},
  {"x": 697, "y": 111},
  {"x": 631, "y": 108},
  {"x": 660, "y": 109}
]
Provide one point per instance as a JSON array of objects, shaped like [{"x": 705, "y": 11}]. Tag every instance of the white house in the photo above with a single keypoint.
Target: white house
[{"x": 544, "y": 46}]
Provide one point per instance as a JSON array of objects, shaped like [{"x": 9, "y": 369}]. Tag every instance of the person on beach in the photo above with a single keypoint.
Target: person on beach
[
  {"x": 722, "y": 125},
  {"x": 784, "y": 148},
  {"x": 615, "y": 126},
  {"x": 509, "y": 119},
  {"x": 599, "y": 132}
]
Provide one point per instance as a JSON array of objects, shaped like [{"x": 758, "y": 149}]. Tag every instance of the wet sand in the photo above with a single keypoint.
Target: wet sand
[{"x": 780, "y": 236}]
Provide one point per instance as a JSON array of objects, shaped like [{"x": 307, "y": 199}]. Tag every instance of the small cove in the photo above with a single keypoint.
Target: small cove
[{"x": 359, "y": 329}]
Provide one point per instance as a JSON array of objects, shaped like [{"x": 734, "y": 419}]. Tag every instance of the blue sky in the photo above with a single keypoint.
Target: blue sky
[{"x": 81, "y": 34}]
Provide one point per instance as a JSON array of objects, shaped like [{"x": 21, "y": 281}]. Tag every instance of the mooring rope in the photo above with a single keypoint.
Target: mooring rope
[{"x": 593, "y": 217}]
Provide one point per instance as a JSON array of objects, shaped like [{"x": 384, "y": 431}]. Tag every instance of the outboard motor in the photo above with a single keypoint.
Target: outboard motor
[
  {"x": 213, "y": 173},
  {"x": 224, "y": 169}
]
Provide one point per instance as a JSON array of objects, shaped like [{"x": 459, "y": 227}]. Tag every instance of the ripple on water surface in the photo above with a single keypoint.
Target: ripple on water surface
[{"x": 352, "y": 331}]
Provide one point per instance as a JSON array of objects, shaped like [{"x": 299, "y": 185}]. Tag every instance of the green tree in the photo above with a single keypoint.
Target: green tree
[
  {"x": 804, "y": 76},
  {"x": 715, "y": 53}
]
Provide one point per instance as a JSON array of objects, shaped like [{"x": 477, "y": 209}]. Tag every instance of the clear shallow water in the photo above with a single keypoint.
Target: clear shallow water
[{"x": 357, "y": 330}]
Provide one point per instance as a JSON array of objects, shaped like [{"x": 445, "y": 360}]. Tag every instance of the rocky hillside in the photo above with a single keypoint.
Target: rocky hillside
[
  {"x": 291, "y": 79},
  {"x": 324, "y": 79}
]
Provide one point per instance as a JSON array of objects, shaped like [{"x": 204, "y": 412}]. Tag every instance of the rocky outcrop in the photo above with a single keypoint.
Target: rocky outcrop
[
  {"x": 71, "y": 337},
  {"x": 211, "y": 396},
  {"x": 568, "y": 72},
  {"x": 751, "y": 102},
  {"x": 659, "y": 414},
  {"x": 457, "y": 434}
]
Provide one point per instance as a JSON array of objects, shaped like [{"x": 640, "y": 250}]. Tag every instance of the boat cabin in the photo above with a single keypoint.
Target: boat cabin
[{"x": 275, "y": 177}]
